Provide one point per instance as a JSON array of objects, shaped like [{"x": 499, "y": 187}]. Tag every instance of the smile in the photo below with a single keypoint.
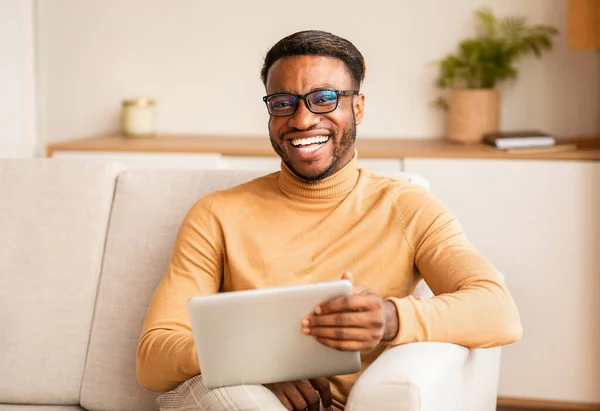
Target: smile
[{"x": 308, "y": 145}]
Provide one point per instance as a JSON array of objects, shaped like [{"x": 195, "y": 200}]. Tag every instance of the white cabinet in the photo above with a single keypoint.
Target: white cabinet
[
  {"x": 539, "y": 223},
  {"x": 385, "y": 166}
]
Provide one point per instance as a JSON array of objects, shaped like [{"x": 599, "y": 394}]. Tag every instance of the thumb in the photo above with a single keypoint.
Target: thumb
[
  {"x": 357, "y": 289},
  {"x": 348, "y": 276}
]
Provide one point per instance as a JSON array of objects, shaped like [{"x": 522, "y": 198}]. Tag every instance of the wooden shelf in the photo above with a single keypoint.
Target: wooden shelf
[
  {"x": 528, "y": 404},
  {"x": 578, "y": 149}
]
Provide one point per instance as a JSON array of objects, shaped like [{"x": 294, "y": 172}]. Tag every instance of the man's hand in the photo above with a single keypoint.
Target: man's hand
[
  {"x": 353, "y": 323},
  {"x": 304, "y": 394}
]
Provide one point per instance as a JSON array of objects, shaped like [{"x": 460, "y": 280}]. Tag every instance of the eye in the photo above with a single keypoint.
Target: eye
[
  {"x": 323, "y": 97},
  {"x": 282, "y": 102}
]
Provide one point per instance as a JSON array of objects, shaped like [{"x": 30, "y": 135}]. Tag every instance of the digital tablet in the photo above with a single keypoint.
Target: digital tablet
[{"x": 255, "y": 337}]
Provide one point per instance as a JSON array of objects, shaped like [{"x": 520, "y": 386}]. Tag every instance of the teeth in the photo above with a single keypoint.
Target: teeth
[
  {"x": 308, "y": 141},
  {"x": 309, "y": 149}
]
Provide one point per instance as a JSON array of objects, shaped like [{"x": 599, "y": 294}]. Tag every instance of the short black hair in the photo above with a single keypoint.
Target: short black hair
[{"x": 317, "y": 43}]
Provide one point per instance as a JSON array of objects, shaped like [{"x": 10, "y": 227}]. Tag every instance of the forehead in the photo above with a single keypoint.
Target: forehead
[{"x": 301, "y": 74}]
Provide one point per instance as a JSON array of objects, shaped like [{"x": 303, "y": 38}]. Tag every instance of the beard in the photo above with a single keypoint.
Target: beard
[{"x": 343, "y": 142}]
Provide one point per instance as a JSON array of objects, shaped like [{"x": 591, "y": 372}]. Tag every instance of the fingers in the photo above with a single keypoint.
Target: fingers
[
  {"x": 347, "y": 331},
  {"x": 349, "y": 303},
  {"x": 297, "y": 395},
  {"x": 346, "y": 334},
  {"x": 277, "y": 389},
  {"x": 294, "y": 396},
  {"x": 285, "y": 402},
  {"x": 347, "y": 345},
  {"x": 350, "y": 323},
  {"x": 364, "y": 319},
  {"x": 311, "y": 396},
  {"x": 322, "y": 386}
]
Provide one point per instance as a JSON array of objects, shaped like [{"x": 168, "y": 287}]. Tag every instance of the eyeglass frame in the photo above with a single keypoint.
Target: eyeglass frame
[{"x": 303, "y": 97}]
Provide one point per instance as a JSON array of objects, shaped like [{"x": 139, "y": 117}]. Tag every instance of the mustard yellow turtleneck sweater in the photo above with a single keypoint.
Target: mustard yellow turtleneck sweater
[{"x": 278, "y": 230}]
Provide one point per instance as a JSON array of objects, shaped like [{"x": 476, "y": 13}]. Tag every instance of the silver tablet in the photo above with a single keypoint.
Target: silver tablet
[{"x": 255, "y": 337}]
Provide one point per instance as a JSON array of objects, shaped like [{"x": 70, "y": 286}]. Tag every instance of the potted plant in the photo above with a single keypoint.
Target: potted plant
[{"x": 472, "y": 74}]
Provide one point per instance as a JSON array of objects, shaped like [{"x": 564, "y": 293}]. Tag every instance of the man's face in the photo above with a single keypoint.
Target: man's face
[{"x": 314, "y": 146}]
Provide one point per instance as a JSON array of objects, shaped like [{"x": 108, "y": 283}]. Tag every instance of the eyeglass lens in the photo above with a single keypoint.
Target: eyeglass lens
[{"x": 319, "y": 101}]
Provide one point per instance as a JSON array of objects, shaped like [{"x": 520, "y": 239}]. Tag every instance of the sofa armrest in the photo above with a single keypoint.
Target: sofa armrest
[{"x": 429, "y": 376}]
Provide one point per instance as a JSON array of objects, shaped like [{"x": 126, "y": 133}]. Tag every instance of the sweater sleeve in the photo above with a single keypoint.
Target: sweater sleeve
[
  {"x": 472, "y": 305},
  {"x": 166, "y": 355}
]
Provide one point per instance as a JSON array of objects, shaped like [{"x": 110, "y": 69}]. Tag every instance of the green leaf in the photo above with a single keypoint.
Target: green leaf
[
  {"x": 487, "y": 21},
  {"x": 491, "y": 56}
]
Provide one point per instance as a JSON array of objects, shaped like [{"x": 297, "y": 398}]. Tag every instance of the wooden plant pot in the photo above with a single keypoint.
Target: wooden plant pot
[{"x": 472, "y": 113}]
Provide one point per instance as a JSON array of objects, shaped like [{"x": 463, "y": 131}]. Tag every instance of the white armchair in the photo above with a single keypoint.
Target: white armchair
[{"x": 428, "y": 376}]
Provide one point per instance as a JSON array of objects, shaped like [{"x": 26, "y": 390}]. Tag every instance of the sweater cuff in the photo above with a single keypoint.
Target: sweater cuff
[{"x": 408, "y": 324}]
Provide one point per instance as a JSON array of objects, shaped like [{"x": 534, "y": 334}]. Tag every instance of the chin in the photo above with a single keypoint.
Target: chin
[
  {"x": 312, "y": 174},
  {"x": 310, "y": 177}
]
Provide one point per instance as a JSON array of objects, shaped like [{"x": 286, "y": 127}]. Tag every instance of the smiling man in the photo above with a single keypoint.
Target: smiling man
[
  {"x": 314, "y": 139},
  {"x": 321, "y": 218}
]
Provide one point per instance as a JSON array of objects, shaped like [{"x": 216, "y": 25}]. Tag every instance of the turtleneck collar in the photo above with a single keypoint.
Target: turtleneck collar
[{"x": 336, "y": 185}]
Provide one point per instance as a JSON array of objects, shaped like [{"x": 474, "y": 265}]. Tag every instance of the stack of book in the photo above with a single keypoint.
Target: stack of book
[
  {"x": 519, "y": 139},
  {"x": 525, "y": 142}
]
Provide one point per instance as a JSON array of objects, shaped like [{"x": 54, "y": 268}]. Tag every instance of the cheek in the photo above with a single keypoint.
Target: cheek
[
  {"x": 275, "y": 126},
  {"x": 339, "y": 122}
]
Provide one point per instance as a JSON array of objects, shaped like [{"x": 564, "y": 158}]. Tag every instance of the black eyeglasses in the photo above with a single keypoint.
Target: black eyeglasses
[{"x": 317, "y": 101}]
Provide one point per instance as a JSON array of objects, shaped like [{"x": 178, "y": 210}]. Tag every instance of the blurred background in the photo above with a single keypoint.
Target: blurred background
[{"x": 66, "y": 66}]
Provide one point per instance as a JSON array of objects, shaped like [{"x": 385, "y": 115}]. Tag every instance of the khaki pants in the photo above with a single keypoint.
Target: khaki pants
[{"x": 192, "y": 395}]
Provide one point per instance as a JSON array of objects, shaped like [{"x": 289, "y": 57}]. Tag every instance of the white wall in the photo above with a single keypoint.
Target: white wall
[
  {"x": 201, "y": 60},
  {"x": 17, "y": 82}
]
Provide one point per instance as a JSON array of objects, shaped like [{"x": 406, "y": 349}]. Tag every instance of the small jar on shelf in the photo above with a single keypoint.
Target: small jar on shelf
[{"x": 138, "y": 117}]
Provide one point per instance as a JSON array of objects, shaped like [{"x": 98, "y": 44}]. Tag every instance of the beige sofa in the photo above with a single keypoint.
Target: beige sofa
[{"x": 83, "y": 245}]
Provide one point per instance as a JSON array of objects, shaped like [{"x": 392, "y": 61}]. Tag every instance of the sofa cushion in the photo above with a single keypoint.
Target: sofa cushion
[
  {"x": 148, "y": 209},
  {"x": 54, "y": 216}
]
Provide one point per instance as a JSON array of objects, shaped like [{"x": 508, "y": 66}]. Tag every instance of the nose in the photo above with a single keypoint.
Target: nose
[{"x": 303, "y": 118}]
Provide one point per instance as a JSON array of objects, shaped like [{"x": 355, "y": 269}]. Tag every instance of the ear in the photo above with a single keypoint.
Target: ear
[{"x": 359, "y": 108}]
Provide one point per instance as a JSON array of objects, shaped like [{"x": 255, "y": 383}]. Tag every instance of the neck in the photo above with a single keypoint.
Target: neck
[{"x": 336, "y": 185}]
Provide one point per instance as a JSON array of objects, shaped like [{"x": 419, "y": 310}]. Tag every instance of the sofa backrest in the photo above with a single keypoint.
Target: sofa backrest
[
  {"x": 148, "y": 209},
  {"x": 53, "y": 221}
]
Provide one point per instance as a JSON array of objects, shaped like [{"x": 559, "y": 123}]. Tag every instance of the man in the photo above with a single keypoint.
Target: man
[{"x": 321, "y": 218}]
